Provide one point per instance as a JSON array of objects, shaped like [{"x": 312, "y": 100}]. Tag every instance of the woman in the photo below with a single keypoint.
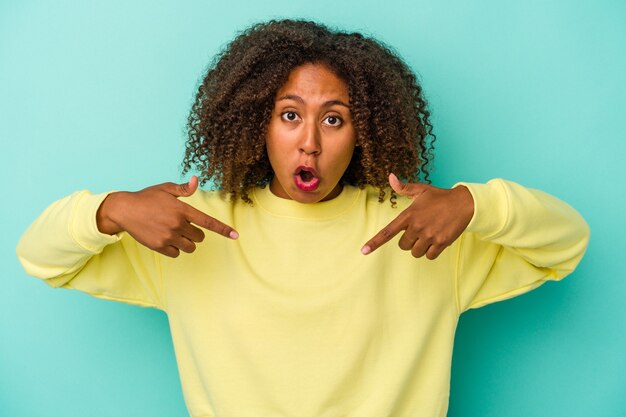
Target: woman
[{"x": 276, "y": 311}]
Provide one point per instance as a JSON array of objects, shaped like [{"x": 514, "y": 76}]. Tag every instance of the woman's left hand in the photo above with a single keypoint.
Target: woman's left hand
[{"x": 435, "y": 219}]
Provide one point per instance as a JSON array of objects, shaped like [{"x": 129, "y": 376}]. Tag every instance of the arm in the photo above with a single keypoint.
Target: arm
[
  {"x": 64, "y": 247},
  {"x": 517, "y": 239},
  {"x": 509, "y": 239},
  {"x": 67, "y": 248}
]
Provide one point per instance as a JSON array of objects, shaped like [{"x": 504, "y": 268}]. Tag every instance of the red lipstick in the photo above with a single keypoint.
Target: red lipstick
[{"x": 306, "y": 178}]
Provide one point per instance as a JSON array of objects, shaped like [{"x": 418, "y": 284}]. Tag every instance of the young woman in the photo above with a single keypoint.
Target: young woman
[{"x": 313, "y": 281}]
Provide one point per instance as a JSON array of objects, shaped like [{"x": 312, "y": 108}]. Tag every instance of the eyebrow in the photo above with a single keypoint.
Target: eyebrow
[{"x": 300, "y": 100}]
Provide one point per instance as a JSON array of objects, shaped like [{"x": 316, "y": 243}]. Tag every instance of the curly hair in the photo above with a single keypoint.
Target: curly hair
[{"x": 229, "y": 119}]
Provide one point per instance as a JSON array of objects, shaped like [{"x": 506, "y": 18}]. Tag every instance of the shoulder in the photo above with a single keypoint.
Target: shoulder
[
  {"x": 372, "y": 197},
  {"x": 209, "y": 200},
  {"x": 386, "y": 210}
]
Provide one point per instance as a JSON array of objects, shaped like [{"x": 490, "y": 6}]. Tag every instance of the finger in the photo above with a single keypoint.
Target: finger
[
  {"x": 420, "y": 248},
  {"x": 170, "y": 251},
  {"x": 408, "y": 239},
  {"x": 406, "y": 188},
  {"x": 204, "y": 220},
  {"x": 181, "y": 190},
  {"x": 185, "y": 244},
  {"x": 384, "y": 236},
  {"x": 434, "y": 251},
  {"x": 193, "y": 233}
]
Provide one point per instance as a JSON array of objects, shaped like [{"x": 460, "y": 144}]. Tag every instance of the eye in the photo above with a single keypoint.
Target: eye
[
  {"x": 289, "y": 116},
  {"x": 333, "y": 121}
]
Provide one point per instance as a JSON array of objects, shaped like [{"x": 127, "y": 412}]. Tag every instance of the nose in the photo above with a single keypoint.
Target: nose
[{"x": 310, "y": 141}]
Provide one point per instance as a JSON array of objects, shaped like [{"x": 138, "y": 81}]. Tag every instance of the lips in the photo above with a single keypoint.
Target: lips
[{"x": 306, "y": 178}]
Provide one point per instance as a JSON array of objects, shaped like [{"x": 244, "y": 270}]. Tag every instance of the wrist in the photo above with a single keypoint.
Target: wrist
[
  {"x": 466, "y": 202},
  {"x": 106, "y": 214}
]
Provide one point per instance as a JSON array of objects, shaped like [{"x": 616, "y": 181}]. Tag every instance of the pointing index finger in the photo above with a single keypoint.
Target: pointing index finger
[
  {"x": 384, "y": 235},
  {"x": 210, "y": 223}
]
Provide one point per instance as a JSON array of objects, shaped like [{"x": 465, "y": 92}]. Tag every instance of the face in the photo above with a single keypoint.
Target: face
[{"x": 310, "y": 139}]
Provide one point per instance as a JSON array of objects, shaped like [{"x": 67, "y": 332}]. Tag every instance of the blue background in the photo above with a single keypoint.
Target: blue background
[{"x": 95, "y": 95}]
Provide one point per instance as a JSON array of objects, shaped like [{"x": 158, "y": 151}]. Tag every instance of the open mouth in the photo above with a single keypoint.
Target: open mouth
[{"x": 306, "y": 178}]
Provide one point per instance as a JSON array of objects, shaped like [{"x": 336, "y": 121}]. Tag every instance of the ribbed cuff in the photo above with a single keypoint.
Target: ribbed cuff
[
  {"x": 83, "y": 225},
  {"x": 491, "y": 208}
]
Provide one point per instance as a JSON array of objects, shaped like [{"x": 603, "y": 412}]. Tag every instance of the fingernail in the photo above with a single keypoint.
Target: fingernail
[
  {"x": 365, "y": 250},
  {"x": 233, "y": 234}
]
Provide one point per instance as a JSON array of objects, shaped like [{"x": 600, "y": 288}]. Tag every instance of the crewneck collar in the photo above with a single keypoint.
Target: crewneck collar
[{"x": 324, "y": 210}]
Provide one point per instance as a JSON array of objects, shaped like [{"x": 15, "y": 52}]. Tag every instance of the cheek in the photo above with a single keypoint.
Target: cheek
[
  {"x": 347, "y": 147},
  {"x": 271, "y": 144},
  {"x": 276, "y": 141},
  {"x": 276, "y": 154}
]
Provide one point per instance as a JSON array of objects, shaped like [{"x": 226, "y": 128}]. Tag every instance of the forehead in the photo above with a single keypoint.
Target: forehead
[{"x": 314, "y": 81}]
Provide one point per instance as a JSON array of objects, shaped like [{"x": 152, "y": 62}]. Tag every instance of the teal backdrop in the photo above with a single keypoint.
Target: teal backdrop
[{"x": 94, "y": 95}]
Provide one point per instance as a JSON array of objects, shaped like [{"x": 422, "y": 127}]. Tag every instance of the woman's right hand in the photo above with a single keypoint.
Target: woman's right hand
[{"x": 157, "y": 219}]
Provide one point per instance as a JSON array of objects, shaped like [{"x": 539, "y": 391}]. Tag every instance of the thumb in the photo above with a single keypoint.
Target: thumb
[
  {"x": 410, "y": 189},
  {"x": 182, "y": 190}
]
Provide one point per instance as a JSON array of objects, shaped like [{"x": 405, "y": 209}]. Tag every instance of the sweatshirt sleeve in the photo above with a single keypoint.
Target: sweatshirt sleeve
[
  {"x": 64, "y": 247},
  {"x": 517, "y": 239}
]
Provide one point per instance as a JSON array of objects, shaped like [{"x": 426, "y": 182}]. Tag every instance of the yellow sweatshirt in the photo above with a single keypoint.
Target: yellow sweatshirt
[{"x": 291, "y": 320}]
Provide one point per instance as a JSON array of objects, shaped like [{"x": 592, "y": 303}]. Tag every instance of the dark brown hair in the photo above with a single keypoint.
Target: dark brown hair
[{"x": 228, "y": 122}]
